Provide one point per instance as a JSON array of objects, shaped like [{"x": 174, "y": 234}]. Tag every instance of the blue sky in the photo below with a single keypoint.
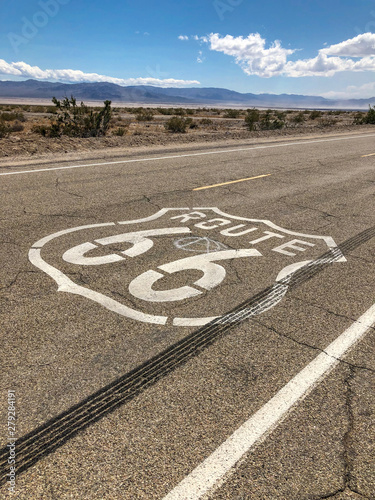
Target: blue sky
[{"x": 271, "y": 46}]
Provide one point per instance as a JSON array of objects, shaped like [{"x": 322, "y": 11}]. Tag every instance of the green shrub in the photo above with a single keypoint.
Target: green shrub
[
  {"x": 206, "y": 121},
  {"x": 315, "y": 114},
  {"x": 120, "y": 131},
  {"x": 179, "y": 111},
  {"x": 37, "y": 109},
  {"x": 299, "y": 118},
  {"x": 191, "y": 123},
  {"x": 370, "y": 116},
  {"x": 40, "y": 129},
  {"x": 280, "y": 115},
  {"x": 277, "y": 124},
  {"x": 51, "y": 110},
  {"x": 251, "y": 119},
  {"x": 359, "y": 118},
  {"x": 79, "y": 121},
  {"x": 4, "y": 130},
  {"x": 177, "y": 124},
  {"x": 144, "y": 115},
  {"x": 17, "y": 127},
  {"x": 266, "y": 123},
  {"x": 327, "y": 121},
  {"x": 13, "y": 116},
  {"x": 165, "y": 111},
  {"x": 232, "y": 113}
]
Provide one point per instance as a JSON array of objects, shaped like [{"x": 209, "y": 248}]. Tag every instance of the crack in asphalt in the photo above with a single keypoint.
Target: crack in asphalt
[
  {"x": 59, "y": 188},
  {"x": 339, "y": 492},
  {"x": 363, "y": 259},
  {"x": 14, "y": 280},
  {"x": 148, "y": 199},
  {"x": 323, "y": 212},
  {"x": 81, "y": 278},
  {"x": 348, "y": 477},
  {"x": 311, "y": 346},
  {"x": 25, "y": 212},
  {"x": 323, "y": 308},
  {"x": 348, "y": 474}
]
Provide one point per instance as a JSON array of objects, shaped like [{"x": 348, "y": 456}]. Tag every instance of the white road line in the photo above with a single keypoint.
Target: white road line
[
  {"x": 134, "y": 160},
  {"x": 213, "y": 471}
]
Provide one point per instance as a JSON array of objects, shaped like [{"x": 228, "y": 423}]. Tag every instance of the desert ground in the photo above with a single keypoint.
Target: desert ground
[{"x": 25, "y": 127}]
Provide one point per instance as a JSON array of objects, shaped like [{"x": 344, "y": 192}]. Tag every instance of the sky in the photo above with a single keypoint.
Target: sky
[{"x": 311, "y": 47}]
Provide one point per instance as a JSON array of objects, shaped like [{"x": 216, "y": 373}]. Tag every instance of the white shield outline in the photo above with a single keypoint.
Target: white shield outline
[{"x": 65, "y": 284}]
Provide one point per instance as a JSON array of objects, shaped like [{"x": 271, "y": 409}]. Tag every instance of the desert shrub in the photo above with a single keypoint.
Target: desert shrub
[
  {"x": 38, "y": 109},
  {"x": 120, "y": 131},
  {"x": 51, "y": 109},
  {"x": 231, "y": 113},
  {"x": 359, "y": 118},
  {"x": 79, "y": 121},
  {"x": 40, "y": 129},
  {"x": 177, "y": 124},
  {"x": 179, "y": 112},
  {"x": 298, "y": 118},
  {"x": 266, "y": 123},
  {"x": 277, "y": 124},
  {"x": 144, "y": 115},
  {"x": 206, "y": 121},
  {"x": 165, "y": 111},
  {"x": 12, "y": 116},
  {"x": 191, "y": 123},
  {"x": 17, "y": 127},
  {"x": 190, "y": 111},
  {"x": 4, "y": 130},
  {"x": 327, "y": 121},
  {"x": 280, "y": 115},
  {"x": 315, "y": 114},
  {"x": 251, "y": 118},
  {"x": 370, "y": 116}
]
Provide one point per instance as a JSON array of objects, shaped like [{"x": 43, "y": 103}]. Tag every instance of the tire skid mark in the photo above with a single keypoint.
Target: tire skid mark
[{"x": 51, "y": 435}]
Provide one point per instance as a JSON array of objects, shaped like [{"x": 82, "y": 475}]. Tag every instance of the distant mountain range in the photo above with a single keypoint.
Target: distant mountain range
[{"x": 145, "y": 95}]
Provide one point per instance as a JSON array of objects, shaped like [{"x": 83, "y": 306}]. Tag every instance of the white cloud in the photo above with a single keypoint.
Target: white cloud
[
  {"x": 255, "y": 59},
  {"x": 200, "y": 57},
  {"x": 365, "y": 91},
  {"x": 183, "y": 37},
  {"x": 23, "y": 69},
  {"x": 251, "y": 53},
  {"x": 359, "y": 46},
  {"x": 322, "y": 65}
]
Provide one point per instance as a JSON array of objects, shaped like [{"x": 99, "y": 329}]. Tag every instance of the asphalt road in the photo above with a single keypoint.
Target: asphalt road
[{"x": 224, "y": 346}]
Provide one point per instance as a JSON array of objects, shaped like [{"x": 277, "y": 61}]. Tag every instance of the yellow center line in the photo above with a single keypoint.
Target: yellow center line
[
  {"x": 364, "y": 156},
  {"x": 231, "y": 182}
]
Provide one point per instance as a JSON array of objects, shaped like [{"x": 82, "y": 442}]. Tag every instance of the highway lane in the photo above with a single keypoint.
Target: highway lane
[{"x": 61, "y": 348}]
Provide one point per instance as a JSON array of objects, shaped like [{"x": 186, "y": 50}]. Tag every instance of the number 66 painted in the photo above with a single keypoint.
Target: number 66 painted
[{"x": 213, "y": 275}]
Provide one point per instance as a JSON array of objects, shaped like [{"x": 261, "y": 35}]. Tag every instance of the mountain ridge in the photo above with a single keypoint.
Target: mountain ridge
[{"x": 147, "y": 94}]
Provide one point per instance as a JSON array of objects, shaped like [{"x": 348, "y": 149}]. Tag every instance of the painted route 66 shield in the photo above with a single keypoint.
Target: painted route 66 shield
[{"x": 180, "y": 266}]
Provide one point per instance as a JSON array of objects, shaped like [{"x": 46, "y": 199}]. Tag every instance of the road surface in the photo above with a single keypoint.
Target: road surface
[{"x": 190, "y": 322}]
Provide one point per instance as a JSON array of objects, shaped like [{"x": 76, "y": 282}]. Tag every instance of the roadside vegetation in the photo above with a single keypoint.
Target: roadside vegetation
[{"x": 66, "y": 125}]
